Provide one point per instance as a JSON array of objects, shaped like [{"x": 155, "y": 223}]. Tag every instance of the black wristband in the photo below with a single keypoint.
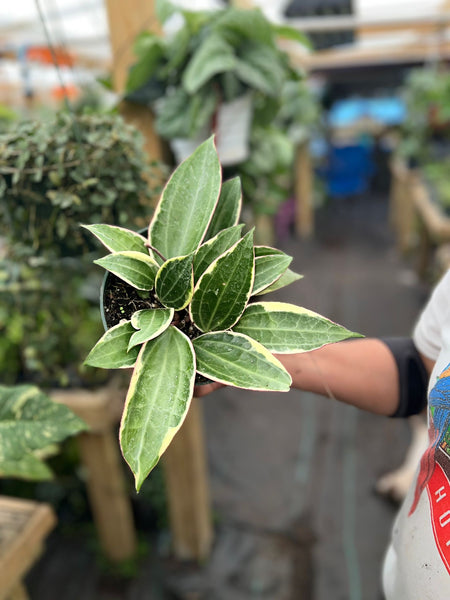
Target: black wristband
[{"x": 412, "y": 376}]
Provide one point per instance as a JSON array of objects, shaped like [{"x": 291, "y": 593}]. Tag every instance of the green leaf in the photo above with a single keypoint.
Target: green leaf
[
  {"x": 111, "y": 350},
  {"x": 228, "y": 207},
  {"x": 214, "y": 55},
  {"x": 187, "y": 203},
  {"x": 260, "y": 68},
  {"x": 164, "y": 10},
  {"x": 223, "y": 290},
  {"x": 27, "y": 466},
  {"x": 181, "y": 115},
  {"x": 286, "y": 279},
  {"x": 135, "y": 268},
  {"x": 238, "y": 360},
  {"x": 157, "y": 401},
  {"x": 289, "y": 33},
  {"x": 150, "y": 323},
  {"x": 285, "y": 328},
  {"x": 248, "y": 24},
  {"x": 270, "y": 264},
  {"x": 214, "y": 247},
  {"x": 118, "y": 239},
  {"x": 150, "y": 55},
  {"x": 174, "y": 283},
  {"x": 29, "y": 422},
  {"x": 142, "y": 42}
]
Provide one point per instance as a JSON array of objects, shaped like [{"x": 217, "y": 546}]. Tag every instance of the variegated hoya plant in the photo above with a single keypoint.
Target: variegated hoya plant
[{"x": 201, "y": 279}]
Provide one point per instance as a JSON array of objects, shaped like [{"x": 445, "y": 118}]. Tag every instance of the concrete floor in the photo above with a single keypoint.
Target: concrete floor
[{"x": 292, "y": 475}]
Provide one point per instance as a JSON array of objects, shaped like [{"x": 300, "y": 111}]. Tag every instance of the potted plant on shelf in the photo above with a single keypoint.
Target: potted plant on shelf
[
  {"x": 206, "y": 76},
  {"x": 182, "y": 304}
]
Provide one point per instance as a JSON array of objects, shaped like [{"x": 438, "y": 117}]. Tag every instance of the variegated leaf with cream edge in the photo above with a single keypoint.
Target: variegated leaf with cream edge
[
  {"x": 228, "y": 208},
  {"x": 197, "y": 265},
  {"x": 31, "y": 423},
  {"x": 158, "y": 399},
  {"x": 238, "y": 360},
  {"x": 187, "y": 203},
  {"x": 113, "y": 351},
  {"x": 214, "y": 247},
  {"x": 286, "y": 279},
  {"x": 286, "y": 328},
  {"x": 174, "y": 283},
  {"x": 270, "y": 264},
  {"x": 150, "y": 323},
  {"x": 118, "y": 239},
  {"x": 222, "y": 292},
  {"x": 135, "y": 268}
]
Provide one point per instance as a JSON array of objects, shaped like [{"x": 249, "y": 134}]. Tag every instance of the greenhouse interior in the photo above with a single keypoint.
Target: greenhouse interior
[{"x": 205, "y": 204}]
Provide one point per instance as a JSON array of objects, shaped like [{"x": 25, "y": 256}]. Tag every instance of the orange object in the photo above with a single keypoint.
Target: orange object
[
  {"x": 43, "y": 54},
  {"x": 67, "y": 91}
]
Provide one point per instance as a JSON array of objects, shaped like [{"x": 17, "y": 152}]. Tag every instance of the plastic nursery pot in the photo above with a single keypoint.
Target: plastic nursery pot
[
  {"x": 232, "y": 130},
  {"x": 108, "y": 278},
  {"x": 102, "y": 305}
]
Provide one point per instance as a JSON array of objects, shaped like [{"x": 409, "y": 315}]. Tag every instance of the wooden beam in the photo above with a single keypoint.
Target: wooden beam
[
  {"x": 342, "y": 23},
  {"x": 186, "y": 475},
  {"x": 185, "y": 466},
  {"x": 126, "y": 21},
  {"x": 401, "y": 207},
  {"x": 108, "y": 495},
  {"x": 304, "y": 210},
  {"x": 24, "y": 525},
  {"x": 357, "y": 57},
  {"x": 105, "y": 479}
]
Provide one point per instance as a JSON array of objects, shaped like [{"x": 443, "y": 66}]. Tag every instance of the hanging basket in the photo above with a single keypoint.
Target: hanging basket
[{"x": 232, "y": 131}]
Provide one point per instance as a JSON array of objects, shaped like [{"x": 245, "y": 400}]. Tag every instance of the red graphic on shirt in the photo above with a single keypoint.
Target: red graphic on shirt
[
  {"x": 434, "y": 473},
  {"x": 438, "y": 489},
  {"x": 439, "y": 406}
]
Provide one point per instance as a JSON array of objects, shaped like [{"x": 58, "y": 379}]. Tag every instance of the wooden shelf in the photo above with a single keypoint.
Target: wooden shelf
[{"x": 24, "y": 525}]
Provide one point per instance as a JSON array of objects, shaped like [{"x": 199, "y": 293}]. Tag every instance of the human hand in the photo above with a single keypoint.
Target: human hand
[{"x": 207, "y": 388}]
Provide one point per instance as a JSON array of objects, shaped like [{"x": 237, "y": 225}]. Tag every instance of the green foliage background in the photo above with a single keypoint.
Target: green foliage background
[{"x": 54, "y": 175}]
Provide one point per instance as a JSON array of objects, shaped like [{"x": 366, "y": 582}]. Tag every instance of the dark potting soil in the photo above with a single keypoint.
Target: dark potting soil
[{"x": 121, "y": 300}]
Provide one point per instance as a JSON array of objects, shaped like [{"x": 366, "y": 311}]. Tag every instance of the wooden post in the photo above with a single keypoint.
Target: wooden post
[
  {"x": 185, "y": 468},
  {"x": 434, "y": 225},
  {"x": 304, "y": 210},
  {"x": 126, "y": 21},
  {"x": 19, "y": 593},
  {"x": 185, "y": 465},
  {"x": 105, "y": 479},
  {"x": 108, "y": 496},
  {"x": 401, "y": 205}
]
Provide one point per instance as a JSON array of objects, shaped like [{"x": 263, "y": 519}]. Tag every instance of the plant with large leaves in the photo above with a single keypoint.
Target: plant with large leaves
[
  {"x": 30, "y": 426},
  {"x": 193, "y": 285},
  {"x": 213, "y": 57}
]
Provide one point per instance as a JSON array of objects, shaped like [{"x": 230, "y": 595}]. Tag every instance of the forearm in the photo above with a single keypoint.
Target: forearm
[{"x": 360, "y": 372}]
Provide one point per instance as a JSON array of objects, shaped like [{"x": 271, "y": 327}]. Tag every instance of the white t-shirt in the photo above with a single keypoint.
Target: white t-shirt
[{"x": 417, "y": 563}]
